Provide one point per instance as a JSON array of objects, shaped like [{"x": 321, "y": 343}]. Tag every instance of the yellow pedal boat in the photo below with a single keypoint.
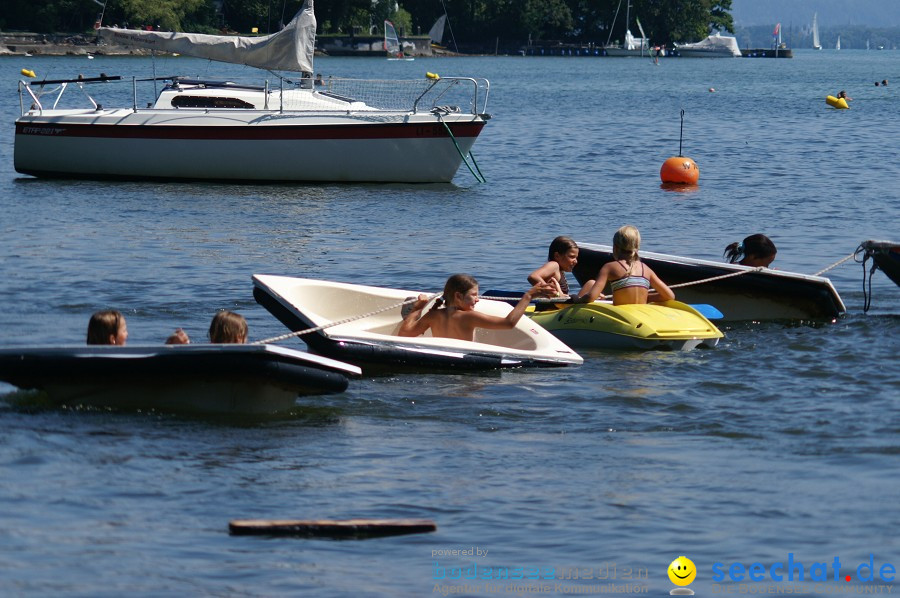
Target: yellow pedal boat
[{"x": 669, "y": 325}]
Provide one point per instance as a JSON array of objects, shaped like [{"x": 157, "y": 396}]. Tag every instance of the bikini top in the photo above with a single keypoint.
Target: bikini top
[
  {"x": 630, "y": 281},
  {"x": 563, "y": 283}
]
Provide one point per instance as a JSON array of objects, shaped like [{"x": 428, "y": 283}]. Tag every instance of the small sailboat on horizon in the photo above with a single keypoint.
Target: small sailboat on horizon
[
  {"x": 837, "y": 46},
  {"x": 815, "y": 32}
]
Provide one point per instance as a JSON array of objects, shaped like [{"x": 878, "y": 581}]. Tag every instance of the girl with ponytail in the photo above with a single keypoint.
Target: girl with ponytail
[
  {"x": 630, "y": 280},
  {"x": 756, "y": 250},
  {"x": 454, "y": 315}
]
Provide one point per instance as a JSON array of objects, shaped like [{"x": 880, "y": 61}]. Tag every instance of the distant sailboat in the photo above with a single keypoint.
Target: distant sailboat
[
  {"x": 815, "y": 32},
  {"x": 437, "y": 30},
  {"x": 837, "y": 46},
  {"x": 634, "y": 46},
  {"x": 392, "y": 43}
]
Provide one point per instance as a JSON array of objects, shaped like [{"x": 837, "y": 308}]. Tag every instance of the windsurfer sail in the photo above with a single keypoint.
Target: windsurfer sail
[{"x": 391, "y": 41}]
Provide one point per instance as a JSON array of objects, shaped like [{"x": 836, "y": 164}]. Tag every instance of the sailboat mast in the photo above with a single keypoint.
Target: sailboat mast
[{"x": 627, "y": 17}]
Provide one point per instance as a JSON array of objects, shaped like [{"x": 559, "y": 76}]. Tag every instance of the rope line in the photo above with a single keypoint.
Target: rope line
[
  {"x": 741, "y": 273},
  {"x": 282, "y": 337},
  {"x": 867, "y": 276},
  {"x": 836, "y": 264},
  {"x": 478, "y": 177}
]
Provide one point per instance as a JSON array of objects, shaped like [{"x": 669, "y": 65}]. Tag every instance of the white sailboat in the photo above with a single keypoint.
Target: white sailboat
[
  {"x": 815, "y": 32},
  {"x": 837, "y": 46},
  {"x": 392, "y": 43},
  {"x": 633, "y": 46},
  {"x": 343, "y": 130}
]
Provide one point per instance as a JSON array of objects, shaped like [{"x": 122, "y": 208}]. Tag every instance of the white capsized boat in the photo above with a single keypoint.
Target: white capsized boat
[
  {"x": 195, "y": 378},
  {"x": 370, "y": 318},
  {"x": 749, "y": 294},
  {"x": 343, "y": 130}
]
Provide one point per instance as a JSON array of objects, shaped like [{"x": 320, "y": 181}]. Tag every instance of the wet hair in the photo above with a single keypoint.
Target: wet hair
[
  {"x": 754, "y": 246},
  {"x": 561, "y": 245},
  {"x": 102, "y": 325},
  {"x": 228, "y": 327},
  {"x": 626, "y": 243},
  {"x": 458, "y": 283}
]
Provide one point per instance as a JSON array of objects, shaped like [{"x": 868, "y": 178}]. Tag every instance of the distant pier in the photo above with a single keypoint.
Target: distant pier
[{"x": 767, "y": 53}]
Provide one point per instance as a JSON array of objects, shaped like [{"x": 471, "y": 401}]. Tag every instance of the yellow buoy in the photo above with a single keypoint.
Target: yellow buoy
[
  {"x": 434, "y": 76},
  {"x": 29, "y": 73},
  {"x": 680, "y": 170},
  {"x": 839, "y": 103}
]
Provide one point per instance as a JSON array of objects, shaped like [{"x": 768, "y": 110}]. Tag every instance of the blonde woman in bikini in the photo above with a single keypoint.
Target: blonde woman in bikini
[{"x": 629, "y": 278}]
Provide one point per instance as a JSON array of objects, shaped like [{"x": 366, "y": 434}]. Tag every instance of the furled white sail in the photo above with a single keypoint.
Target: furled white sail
[{"x": 291, "y": 49}]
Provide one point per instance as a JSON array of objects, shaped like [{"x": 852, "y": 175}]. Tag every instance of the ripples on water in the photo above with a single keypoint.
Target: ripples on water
[{"x": 782, "y": 439}]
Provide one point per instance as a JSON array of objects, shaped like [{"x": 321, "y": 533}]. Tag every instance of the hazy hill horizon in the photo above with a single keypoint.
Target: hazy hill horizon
[{"x": 875, "y": 13}]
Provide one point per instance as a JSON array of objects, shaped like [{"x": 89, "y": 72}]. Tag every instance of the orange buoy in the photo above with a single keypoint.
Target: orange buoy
[{"x": 681, "y": 170}]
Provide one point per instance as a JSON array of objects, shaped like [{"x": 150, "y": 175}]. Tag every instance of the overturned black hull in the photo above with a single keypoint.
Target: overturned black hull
[
  {"x": 750, "y": 296},
  {"x": 886, "y": 255},
  {"x": 210, "y": 379}
]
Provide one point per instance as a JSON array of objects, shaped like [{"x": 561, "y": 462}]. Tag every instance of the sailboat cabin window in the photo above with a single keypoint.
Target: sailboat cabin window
[{"x": 183, "y": 101}]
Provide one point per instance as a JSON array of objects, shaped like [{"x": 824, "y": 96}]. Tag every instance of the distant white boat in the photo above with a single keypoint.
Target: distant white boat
[
  {"x": 837, "y": 46},
  {"x": 714, "y": 46},
  {"x": 815, "y": 32}
]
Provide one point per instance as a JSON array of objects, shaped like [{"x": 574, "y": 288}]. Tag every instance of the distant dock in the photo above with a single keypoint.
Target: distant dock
[
  {"x": 767, "y": 53},
  {"x": 591, "y": 50}
]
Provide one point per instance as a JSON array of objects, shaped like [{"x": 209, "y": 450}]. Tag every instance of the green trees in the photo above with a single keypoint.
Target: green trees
[{"x": 512, "y": 21}]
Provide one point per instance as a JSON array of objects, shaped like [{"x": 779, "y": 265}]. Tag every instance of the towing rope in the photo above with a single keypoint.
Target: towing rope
[
  {"x": 741, "y": 273},
  {"x": 838, "y": 263},
  {"x": 564, "y": 298},
  {"x": 275, "y": 339}
]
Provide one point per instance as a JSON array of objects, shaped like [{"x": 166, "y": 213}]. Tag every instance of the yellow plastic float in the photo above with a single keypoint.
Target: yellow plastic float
[
  {"x": 601, "y": 325},
  {"x": 29, "y": 73},
  {"x": 839, "y": 103}
]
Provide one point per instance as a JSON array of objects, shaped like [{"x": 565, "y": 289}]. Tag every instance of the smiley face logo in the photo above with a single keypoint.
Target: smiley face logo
[{"x": 682, "y": 571}]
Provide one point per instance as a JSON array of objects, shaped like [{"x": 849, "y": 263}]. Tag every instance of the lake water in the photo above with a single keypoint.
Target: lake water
[{"x": 781, "y": 441}]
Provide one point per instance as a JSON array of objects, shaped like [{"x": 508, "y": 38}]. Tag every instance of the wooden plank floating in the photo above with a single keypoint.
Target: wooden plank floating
[{"x": 330, "y": 528}]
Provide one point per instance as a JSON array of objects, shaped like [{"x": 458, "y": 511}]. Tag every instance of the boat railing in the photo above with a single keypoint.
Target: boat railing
[
  {"x": 455, "y": 94},
  {"x": 413, "y": 95},
  {"x": 27, "y": 90}
]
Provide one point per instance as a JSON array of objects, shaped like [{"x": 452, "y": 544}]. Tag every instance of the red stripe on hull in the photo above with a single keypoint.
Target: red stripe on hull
[{"x": 251, "y": 132}]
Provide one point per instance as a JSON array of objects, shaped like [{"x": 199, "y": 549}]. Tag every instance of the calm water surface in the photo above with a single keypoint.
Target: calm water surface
[{"x": 783, "y": 440}]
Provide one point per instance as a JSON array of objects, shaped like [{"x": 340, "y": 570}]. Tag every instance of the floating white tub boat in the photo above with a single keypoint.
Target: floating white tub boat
[
  {"x": 302, "y": 304},
  {"x": 750, "y": 295},
  {"x": 202, "y": 378},
  {"x": 342, "y": 130}
]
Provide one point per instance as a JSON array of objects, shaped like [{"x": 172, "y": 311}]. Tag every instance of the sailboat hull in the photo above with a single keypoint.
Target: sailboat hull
[{"x": 245, "y": 145}]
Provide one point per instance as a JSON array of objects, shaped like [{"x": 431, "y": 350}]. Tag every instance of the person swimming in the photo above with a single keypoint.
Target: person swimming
[{"x": 756, "y": 250}]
